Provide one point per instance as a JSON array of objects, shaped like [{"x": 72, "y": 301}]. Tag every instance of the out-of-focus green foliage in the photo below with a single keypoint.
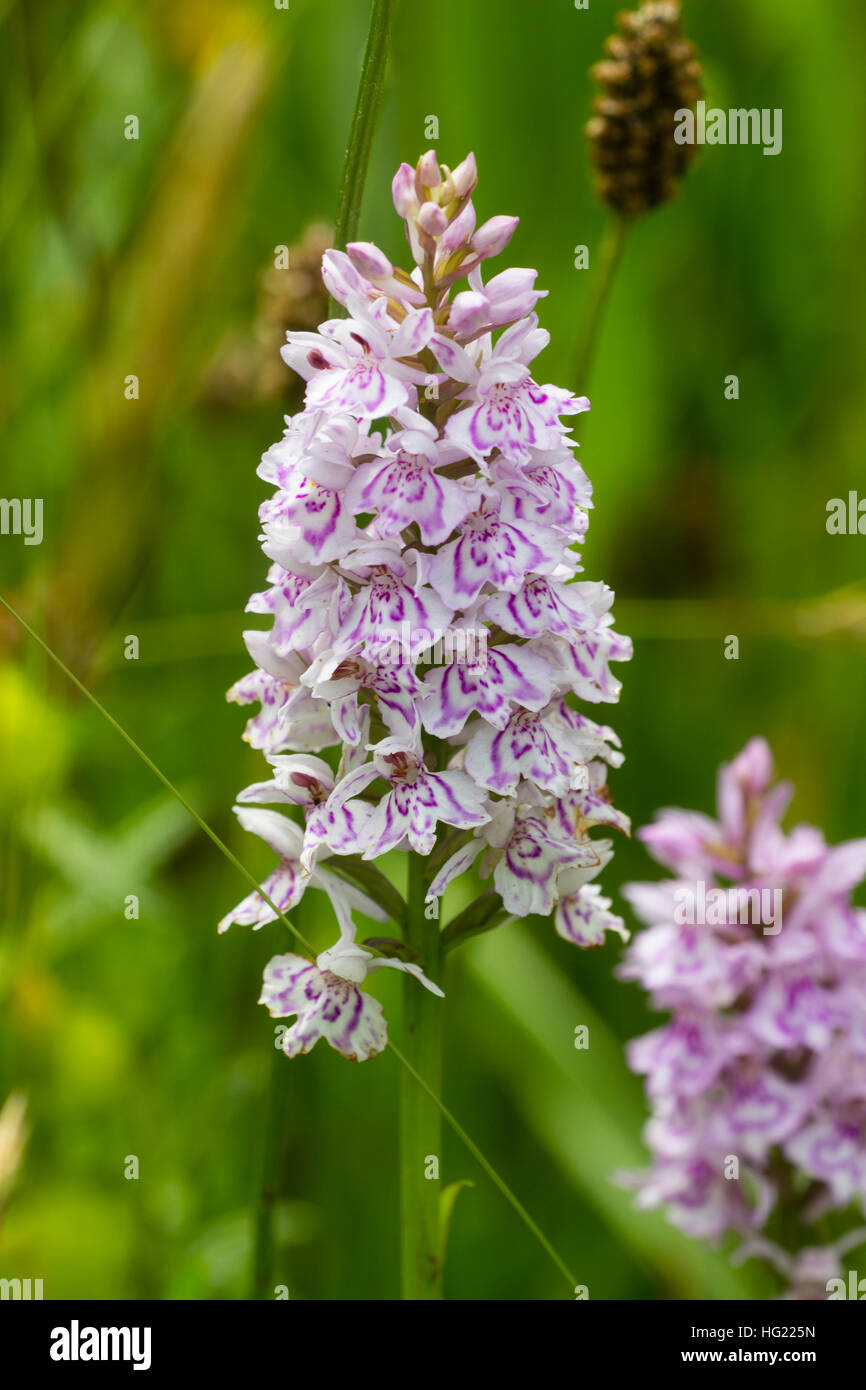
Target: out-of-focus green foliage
[{"x": 141, "y": 1037}]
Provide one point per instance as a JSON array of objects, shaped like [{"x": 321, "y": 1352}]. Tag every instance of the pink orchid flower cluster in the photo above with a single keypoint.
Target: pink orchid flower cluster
[
  {"x": 427, "y": 501},
  {"x": 758, "y": 1082}
]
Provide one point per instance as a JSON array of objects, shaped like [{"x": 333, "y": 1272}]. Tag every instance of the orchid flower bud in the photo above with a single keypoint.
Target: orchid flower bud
[
  {"x": 403, "y": 190},
  {"x": 428, "y": 171},
  {"x": 511, "y": 295},
  {"x": 432, "y": 220},
  {"x": 494, "y": 235},
  {"x": 468, "y": 313},
  {"x": 458, "y": 232},
  {"x": 465, "y": 176},
  {"x": 369, "y": 261}
]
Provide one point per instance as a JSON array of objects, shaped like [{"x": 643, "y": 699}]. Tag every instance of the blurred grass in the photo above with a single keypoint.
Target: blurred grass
[{"x": 142, "y": 1037}]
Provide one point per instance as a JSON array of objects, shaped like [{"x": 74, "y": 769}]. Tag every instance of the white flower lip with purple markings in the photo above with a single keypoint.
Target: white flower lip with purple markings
[
  {"x": 431, "y": 633},
  {"x": 328, "y": 1001},
  {"x": 287, "y": 883},
  {"x": 417, "y": 800}
]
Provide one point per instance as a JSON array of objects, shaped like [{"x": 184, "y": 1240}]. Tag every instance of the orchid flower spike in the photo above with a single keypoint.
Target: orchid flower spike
[{"x": 432, "y": 642}]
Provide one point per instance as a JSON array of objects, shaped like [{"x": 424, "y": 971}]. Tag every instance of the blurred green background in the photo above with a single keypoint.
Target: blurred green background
[{"x": 146, "y": 257}]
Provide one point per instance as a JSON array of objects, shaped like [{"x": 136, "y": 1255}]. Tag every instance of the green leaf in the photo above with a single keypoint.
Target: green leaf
[
  {"x": 374, "y": 883},
  {"x": 481, "y": 915},
  {"x": 388, "y": 946},
  {"x": 446, "y": 1210}
]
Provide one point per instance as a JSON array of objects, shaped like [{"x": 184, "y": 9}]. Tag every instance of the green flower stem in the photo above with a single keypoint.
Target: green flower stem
[
  {"x": 263, "y": 1274},
  {"x": 612, "y": 247},
  {"x": 420, "y": 1114},
  {"x": 263, "y": 1250},
  {"x": 367, "y": 105}
]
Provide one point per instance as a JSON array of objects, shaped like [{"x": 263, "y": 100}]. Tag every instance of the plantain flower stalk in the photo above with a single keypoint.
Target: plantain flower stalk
[{"x": 651, "y": 71}]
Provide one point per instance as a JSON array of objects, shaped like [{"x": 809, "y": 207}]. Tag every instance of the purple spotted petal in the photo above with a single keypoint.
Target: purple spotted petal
[
  {"x": 406, "y": 490},
  {"x": 531, "y": 745},
  {"x": 326, "y": 1005},
  {"x": 285, "y": 887},
  {"x": 313, "y": 523},
  {"x": 362, "y": 389},
  {"x": 417, "y": 803},
  {"x": 525, "y": 875},
  {"x": 382, "y": 607},
  {"x": 491, "y": 551},
  {"x": 542, "y": 605},
  {"x": 584, "y": 919},
  {"x": 509, "y": 676}
]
